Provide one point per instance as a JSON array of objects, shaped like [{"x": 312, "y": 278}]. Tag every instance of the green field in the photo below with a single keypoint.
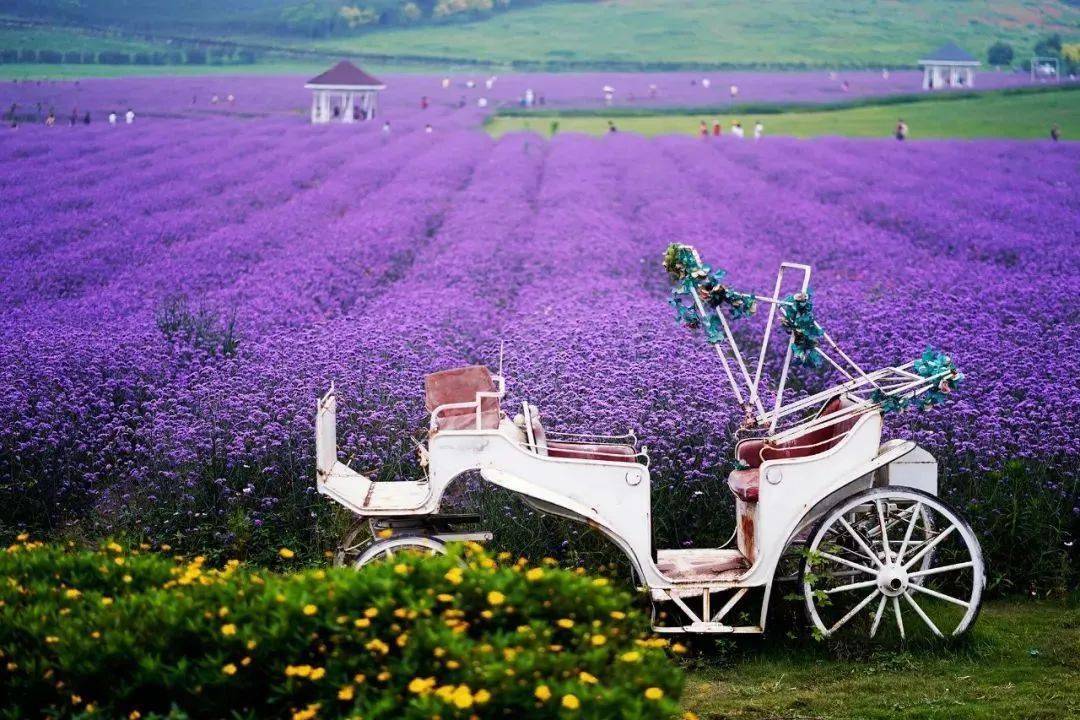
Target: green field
[
  {"x": 1020, "y": 661},
  {"x": 994, "y": 114},
  {"x": 662, "y": 34}
]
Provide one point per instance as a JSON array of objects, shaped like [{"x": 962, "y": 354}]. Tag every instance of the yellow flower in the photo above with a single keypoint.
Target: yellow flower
[
  {"x": 587, "y": 678},
  {"x": 454, "y": 575},
  {"x": 543, "y": 693},
  {"x": 654, "y": 693},
  {"x": 106, "y": 601},
  {"x": 445, "y": 597},
  {"x": 383, "y": 676},
  {"x": 126, "y": 579},
  {"x": 371, "y": 612},
  {"x": 534, "y": 574},
  {"x": 222, "y": 611},
  {"x": 51, "y": 639},
  {"x": 487, "y": 614},
  {"x": 618, "y": 614},
  {"x": 598, "y": 640},
  {"x": 307, "y": 713},
  {"x": 378, "y": 646},
  {"x": 600, "y": 582},
  {"x": 228, "y": 629},
  {"x": 401, "y": 568},
  {"x": 496, "y": 598},
  {"x": 345, "y": 693},
  {"x": 286, "y": 553},
  {"x": 297, "y": 670},
  {"x": 22, "y": 537},
  {"x": 361, "y": 622},
  {"x": 481, "y": 696},
  {"x": 134, "y": 715},
  {"x": 229, "y": 669},
  {"x": 632, "y": 656},
  {"x": 251, "y": 644},
  {"x": 317, "y": 673},
  {"x": 359, "y": 678},
  {"x": 166, "y": 548},
  {"x": 118, "y": 561},
  {"x": 688, "y": 715},
  {"x": 72, "y": 593},
  {"x": 421, "y": 686},
  {"x": 384, "y": 534},
  {"x": 114, "y": 547},
  {"x": 310, "y": 609},
  {"x": 462, "y": 698},
  {"x": 570, "y": 702},
  {"x": 565, "y": 623},
  {"x": 246, "y": 661}
]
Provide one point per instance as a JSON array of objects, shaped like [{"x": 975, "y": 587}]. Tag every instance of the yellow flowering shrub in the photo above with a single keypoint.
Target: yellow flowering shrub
[{"x": 460, "y": 636}]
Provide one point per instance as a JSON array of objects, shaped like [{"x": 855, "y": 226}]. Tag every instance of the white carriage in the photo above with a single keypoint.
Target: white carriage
[{"x": 815, "y": 486}]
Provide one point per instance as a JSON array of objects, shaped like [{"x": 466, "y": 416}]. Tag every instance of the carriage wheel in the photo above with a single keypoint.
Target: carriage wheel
[
  {"x": 888, "y": 550},
  {"x": 388, "y": 550},
  {"x": 356, "y": 540}
]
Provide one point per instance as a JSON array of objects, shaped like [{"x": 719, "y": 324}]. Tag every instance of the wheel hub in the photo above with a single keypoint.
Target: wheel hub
[{"x": 892, "y": 580}]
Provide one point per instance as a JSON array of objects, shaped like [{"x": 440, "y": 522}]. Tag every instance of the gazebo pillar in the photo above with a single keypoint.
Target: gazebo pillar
[
  {"x": 347, "y": 107},
  {"x": 970, "y": 77}
]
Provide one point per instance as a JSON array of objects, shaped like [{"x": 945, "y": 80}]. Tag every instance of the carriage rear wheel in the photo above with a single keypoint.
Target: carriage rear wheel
[
  {"x": 889, "y": 550},
  {"x": 388, "y": 550}
]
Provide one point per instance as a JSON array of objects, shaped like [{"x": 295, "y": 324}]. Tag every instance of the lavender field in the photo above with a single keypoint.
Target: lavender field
[{"x": 174, "y": 294}]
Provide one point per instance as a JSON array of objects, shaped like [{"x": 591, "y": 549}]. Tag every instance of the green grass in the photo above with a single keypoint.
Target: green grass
[
  {"x": 1020, "y": 661},
  {"x": 993, "y": 114},
  {"x": 659, "y": 34},
  {"x": 67, "y": 39}
]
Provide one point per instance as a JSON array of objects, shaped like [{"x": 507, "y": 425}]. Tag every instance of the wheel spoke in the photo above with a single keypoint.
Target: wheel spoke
[
  {"x": 877, "y": 615},
  {"x": 852, "y": 586},
  {"x": 929, "y": 546},
  {"x": 899, "y": 617},
  {"x": 907, "y": 534},
  {"x": 884, "y": 532},
  {"x": 919, "y": 611},
  {"x": 854, "y": 611},
  {"x": 942, "y": 569},
  {"x": 940, "y": 596},
  {"x": 862, "y": 543},
  {"x": 842, "y": 561}
]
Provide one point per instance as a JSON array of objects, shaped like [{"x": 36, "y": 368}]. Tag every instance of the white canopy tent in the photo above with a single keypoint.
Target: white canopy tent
[{"x": 344, "y": 93}]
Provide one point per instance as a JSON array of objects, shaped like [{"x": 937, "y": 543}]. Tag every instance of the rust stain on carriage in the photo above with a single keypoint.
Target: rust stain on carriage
[{"x": 746, "y": 526}]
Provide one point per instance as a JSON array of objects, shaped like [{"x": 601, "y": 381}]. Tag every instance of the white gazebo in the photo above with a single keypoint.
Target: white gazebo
[
  {"x": 344, "y": 93},
  {"x": 949, "y": 66}
]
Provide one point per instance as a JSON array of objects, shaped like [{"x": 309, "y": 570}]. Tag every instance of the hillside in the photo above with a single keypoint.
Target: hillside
[{"x": 553, "y": 34}]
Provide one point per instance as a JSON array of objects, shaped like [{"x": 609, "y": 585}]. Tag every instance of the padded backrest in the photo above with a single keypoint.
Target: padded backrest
[
  {"x": 460, "y": 385},
  {"x": 754, "y": 452}
]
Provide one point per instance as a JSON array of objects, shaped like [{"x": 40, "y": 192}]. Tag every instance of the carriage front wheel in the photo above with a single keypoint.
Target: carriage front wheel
[
  {"x": 388, "y": 550},
  {"x": 892, "y": 559}
]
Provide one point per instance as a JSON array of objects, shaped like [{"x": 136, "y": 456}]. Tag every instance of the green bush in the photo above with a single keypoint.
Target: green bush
[{"x": 130, "y": 634}]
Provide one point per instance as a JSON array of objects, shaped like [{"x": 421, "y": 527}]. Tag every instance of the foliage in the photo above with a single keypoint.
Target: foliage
[
  {"x": 1000, "y": 53},
  {"x": 130, "y": 633}
]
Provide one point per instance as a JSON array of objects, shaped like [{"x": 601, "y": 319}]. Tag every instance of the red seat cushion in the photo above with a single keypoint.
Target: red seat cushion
[
  {"x": 589, "y": 451},
  {"x": 754, "y": 452},
  {"x": 744, "y": 483},
  {"x": 460, "y": 385}
]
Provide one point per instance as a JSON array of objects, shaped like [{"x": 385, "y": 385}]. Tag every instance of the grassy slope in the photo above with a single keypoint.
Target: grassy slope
[
  {"x": 990, "y": 115},
  {"x": 1020, "y": 662},
  {"x": 823, "y": 32}
]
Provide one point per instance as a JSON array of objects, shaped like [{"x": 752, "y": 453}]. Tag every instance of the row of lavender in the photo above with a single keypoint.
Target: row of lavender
[{"x": 173, "y": 298}]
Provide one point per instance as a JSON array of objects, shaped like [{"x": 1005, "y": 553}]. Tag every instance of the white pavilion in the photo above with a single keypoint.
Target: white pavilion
[
  {"x": 950, "y": 66},
  {"x": 344, "y": 93}
]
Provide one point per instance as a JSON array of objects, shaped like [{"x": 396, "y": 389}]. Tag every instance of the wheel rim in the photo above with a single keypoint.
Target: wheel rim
[
  {"x": 389, "y": 550},
  {"x": 888, "y": 553},
  {"x": 352, "y": 545}
]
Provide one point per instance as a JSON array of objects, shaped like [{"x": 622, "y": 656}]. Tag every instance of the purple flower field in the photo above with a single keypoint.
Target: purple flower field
[{"x": 175, "y": 294}]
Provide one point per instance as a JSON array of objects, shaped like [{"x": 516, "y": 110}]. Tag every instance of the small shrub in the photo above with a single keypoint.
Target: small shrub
[{"x": 124, "y": 634}]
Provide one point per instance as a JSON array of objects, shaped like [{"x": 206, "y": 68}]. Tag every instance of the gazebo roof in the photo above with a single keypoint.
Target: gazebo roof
[
  {"x": 950, "y": 53},
  {"x": 345, "y": 74}
]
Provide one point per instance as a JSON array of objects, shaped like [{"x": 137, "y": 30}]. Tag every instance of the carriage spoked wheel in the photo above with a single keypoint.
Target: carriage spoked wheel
[
  {"x": 360, "y": 547},
  {"x": 892, "y": 556}
]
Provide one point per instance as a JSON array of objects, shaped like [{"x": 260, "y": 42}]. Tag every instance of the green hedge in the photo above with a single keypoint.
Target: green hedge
[{"x": 135, "y": 634}]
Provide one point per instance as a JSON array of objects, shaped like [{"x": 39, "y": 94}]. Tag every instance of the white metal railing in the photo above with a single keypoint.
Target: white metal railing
[{"x": 477, "y": 404}]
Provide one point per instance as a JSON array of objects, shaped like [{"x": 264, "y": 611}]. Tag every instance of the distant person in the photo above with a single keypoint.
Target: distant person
[
  {"x": 717, "y": 129},
  {"x": 611, "y": 127},
  {"x": 337, "y": 112},
  {"x": 703, "y": 130},
  {"x": 482, "y": 102},
  {"x": 423, "y": 102},
  {"x": 445, "y": 82},
  {"x": 386, "y": 129},
  {"x": 129, "y": 116},
  {"x": 901, "y": 130},
  {"x": 74, "y": 119},
  {"x": 737, "y": 130},
  {"x": 428, "y": 129},
  {"x": 653, "y": 90},
  {"x": 231, "y": 98},
  {"x": 112, "y": 118},
  {"x": 50, "y": 119},
  {"x": 705, "y": 83},
  {"x": 759, "y": 130},
  {"x": 885, "y": 73},
  {"x": 461, "y": 102},
  {"x": 554, "y": 127},
  {"x": 541, "y": 100},
  {"x": 214, "y": 100},
  {"x": 733, "y": 91},
  {"x": 86, "y": 118},
  {"x": 194, "y": 99},
  {"x": 357, "y": 113},
  {"x": 1055, "y": 132}
]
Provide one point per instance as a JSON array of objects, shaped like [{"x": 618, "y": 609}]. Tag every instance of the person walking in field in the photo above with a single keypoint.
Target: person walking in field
[
  {"x": 703, "y": 130},
  {"x": 717, "y": 129},
  {"x": 129, "y": 116},
  {"x": 86, "y": 118},
  {"x": 1055, "y": 132},
  {"x": 759, "y": 130},
  {"x": 901, "y": 130},
  {"x": 112, "y": 118},
  {"x": 74, "y": 120},
  {"x": 737, "y": 130}
]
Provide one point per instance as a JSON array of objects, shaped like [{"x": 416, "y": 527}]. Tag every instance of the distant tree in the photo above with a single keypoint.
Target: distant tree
[
  {"x": 142, "y": 58},
  {"x": 53, "y": 57},
  {"x": 411, "y": 12},
  {"x": 1049, "y": 46},
  {"x": 8, "y": 56},
  {"x": 73, "y": 57},
  {"x": 1000, "y": 53},
  {"x": 89, "y": 57},
  {"x": 113, "y": 57},
  {"x": 27, "y": 56},
  {"x": 196, "y": 57},
  {"x": 246, "y": 57}
]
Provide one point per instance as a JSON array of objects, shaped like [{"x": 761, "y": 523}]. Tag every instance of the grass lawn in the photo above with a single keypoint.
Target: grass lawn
[
  {"x": 662, "y": 33},
  {"x": 1004, "y": 115},
  {"x": 1021, "y": 660}
]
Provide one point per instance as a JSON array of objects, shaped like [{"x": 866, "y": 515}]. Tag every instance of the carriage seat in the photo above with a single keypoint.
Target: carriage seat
[
  {"x": 577, "y": 450},
  {"x": 460, "y": 385},
  {"x": 745, "y": 483}
]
